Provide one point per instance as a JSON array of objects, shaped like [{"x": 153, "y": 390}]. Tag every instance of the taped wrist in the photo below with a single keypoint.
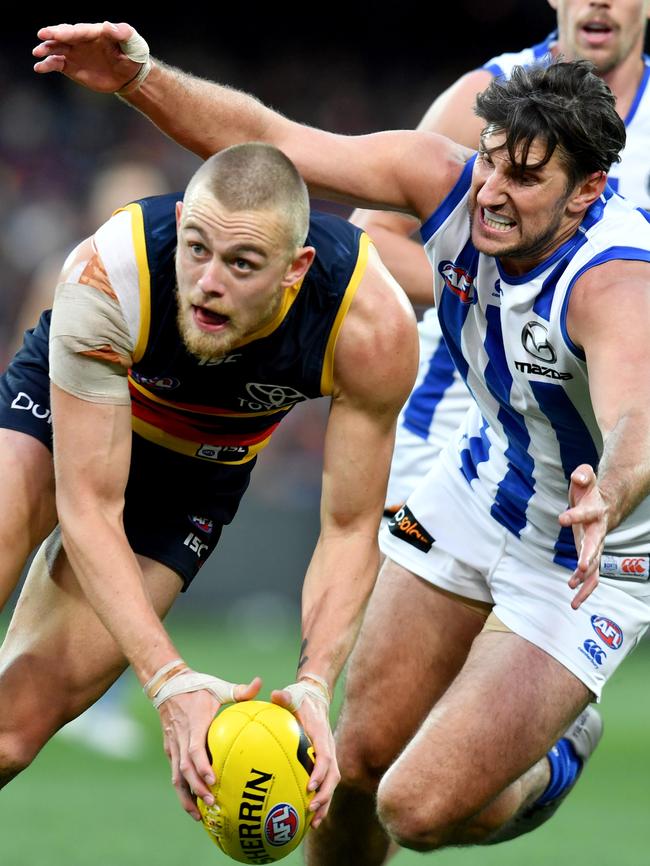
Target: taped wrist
[
  {"x": 136, "y": 49},
  {"x": 308, "y": 686},
  {"x": 186, "y": 681}
]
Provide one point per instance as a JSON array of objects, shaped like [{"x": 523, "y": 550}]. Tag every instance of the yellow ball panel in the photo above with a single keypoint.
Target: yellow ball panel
[{"x": 262, "y": 762}]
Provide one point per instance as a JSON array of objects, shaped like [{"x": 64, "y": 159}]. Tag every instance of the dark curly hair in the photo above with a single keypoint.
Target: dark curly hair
[{"x": 563, "y": 104}]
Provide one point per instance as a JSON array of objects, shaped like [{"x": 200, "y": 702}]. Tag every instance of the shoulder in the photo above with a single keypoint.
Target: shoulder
[{"x": 377, "y": 350}]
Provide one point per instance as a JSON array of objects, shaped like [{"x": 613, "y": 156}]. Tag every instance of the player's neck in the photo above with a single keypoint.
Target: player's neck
[{"x": 624, "y": 81}]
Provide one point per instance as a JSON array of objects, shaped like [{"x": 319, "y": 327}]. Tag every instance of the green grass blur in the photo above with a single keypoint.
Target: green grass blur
[{"x": 75, "y": 808}]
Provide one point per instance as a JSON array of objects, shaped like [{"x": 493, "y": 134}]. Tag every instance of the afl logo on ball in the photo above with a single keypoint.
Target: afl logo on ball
[{"x": 281, "y": 824}]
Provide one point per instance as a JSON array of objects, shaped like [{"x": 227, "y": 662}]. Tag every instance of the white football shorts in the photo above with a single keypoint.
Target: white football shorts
[{"x": 482, "y": 560}]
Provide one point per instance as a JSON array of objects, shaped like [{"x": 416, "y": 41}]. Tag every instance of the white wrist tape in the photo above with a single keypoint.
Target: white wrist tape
[
  {"x": 192, "y": 681},
  {"x": 136, "y": 49},
  {"x": 300, "y": 691}
]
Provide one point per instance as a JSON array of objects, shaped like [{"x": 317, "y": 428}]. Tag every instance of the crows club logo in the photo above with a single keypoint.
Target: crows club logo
[
  {"x": 458, "y": 281},
  {"x": 281, "y": 824},
  {"x": 534, "y": 338}
]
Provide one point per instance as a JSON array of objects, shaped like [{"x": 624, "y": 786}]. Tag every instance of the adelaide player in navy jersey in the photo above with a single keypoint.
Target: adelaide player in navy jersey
[{"x": 182, "y": 333}]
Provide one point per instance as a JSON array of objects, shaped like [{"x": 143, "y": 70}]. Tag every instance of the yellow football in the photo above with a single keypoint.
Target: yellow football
[{"x": 262, "y": 760}]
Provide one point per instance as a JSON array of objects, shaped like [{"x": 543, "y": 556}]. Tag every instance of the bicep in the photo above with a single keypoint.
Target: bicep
[
  {"x": 401, "y": 170},
  {"x": 92, "y": 450},
  {"x": 609, "y": 318}
]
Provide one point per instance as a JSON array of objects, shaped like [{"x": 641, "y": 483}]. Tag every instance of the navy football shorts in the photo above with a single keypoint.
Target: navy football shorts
[{"x": 175, "y": 506}]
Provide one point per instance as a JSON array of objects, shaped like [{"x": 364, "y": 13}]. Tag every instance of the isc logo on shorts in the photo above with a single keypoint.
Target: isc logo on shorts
[{"x": 404, "y": 525}]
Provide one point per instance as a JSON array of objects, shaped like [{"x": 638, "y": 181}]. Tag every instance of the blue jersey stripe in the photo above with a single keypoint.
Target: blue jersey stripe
[
  {"x": 476, "y": 451},
  {"x": 639, "y": 93},
  {"x": 576, "y": 446},
  {"x": 517, "y": 486},
  {"x": 630, "y": 254},
  {"x": 424, "y": 400},
  {"x": 448, "y": 204}
]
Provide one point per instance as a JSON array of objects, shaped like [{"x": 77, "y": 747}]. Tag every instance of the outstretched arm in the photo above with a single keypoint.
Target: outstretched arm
[
  {"x": 451, "y": 114},
  {"x": 609, "y": 317},
  {"x": 375, "y": 366},
  {"x": 400, "y": 170}
]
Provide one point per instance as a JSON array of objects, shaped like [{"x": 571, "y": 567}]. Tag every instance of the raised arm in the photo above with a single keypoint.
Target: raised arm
[
  {"x": 609, "y": 317},
  {"x": 404, "y": 170},
  {"x": 451, "y": 114},
  {"x": 374, "y": 368}
]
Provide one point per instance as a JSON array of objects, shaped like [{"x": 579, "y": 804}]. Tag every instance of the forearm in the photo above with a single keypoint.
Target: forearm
[
  {"x": 111, "y": 578},
  {"x": 624, "y": 468},
  {"x": 200, "y": 115},
  {"x": 403, "y": 256},
  {"x": 337, "y": 585}
]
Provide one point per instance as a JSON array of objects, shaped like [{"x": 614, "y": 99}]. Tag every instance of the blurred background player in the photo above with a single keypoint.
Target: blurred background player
[{"x": 611, "y": 35}]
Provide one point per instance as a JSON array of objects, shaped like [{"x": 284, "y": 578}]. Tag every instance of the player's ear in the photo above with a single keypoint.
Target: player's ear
[
  {"x": 179, "y": 211},
  {"x": 586, "y": 192},
  {"x": 299, "y": 265}
]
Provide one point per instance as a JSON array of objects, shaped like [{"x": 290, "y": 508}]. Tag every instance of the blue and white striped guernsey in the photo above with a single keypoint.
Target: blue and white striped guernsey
[
  {"x": 534, "y": 422},
  {"x": 438, "y": 401}
]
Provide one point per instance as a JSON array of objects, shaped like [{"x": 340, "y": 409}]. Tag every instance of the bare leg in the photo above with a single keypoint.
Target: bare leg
[
  {"x": 460, "y": 778},
  {"x": 27, "y": 509},
  {"x": 413, "y": 642},
  {"x": 58, "y": 658}
]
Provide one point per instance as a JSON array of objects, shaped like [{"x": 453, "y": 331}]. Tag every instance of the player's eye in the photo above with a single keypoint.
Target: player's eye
[{"x": 196, "y": 248}]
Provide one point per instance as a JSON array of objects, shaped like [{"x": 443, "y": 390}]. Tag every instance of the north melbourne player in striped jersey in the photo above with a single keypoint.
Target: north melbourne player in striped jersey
[{"x": 610, "y": 35}]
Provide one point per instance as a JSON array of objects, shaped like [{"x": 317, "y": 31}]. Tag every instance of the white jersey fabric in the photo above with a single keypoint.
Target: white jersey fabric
[
  {"x": 484, "y": 521},
  {"x": 438, "y": 400},
  {"x": 534, "y": 422}
]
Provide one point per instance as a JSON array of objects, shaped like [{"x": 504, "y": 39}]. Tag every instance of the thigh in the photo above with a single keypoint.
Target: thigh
[
  {"x": 57, "y": 657},
  {"x": 413, "y": 641},
  {"x": 508, "y": 705},
  {"x": 27, "y": 507}
]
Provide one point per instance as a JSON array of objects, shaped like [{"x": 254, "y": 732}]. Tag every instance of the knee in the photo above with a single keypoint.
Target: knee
[
  {"x": 17, "y": 751},
  {"x": 420, "y": 820},
  {"x": 363, "y": 753}
]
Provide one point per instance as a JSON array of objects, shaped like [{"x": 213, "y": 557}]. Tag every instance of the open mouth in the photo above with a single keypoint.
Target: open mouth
[
  {"x": 496, "y": 221},
  {"x": 208, "y": 319},
  {"x": 597, "y": 32}
]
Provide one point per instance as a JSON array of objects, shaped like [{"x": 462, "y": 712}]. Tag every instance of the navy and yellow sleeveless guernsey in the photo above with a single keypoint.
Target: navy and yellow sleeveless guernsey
[{"x": 226, "y": 410}]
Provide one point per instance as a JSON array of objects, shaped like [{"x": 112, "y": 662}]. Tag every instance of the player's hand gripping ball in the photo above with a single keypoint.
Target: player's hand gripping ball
[{"x": 262, "y": 760}]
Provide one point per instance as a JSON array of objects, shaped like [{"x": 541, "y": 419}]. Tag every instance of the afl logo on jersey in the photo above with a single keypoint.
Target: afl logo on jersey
[
  {"x": 166, "y": 383},
  {"x": 534, "y": 338},
  {"x": 458, "y": 281}
]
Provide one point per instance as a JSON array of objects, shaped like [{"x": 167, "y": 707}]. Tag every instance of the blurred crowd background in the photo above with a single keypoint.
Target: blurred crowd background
[{"x": 69, "y": 157}]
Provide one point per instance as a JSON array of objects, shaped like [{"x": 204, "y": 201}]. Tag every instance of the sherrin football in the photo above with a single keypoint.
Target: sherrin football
[{"x": 262, "y": 760}]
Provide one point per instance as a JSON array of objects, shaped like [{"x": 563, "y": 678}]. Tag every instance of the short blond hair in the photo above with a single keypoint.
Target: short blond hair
[{"x": 257, "y": 176}]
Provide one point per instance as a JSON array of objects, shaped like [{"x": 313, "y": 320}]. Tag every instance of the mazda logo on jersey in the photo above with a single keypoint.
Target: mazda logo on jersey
[{"x": 534, "y": 338}]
